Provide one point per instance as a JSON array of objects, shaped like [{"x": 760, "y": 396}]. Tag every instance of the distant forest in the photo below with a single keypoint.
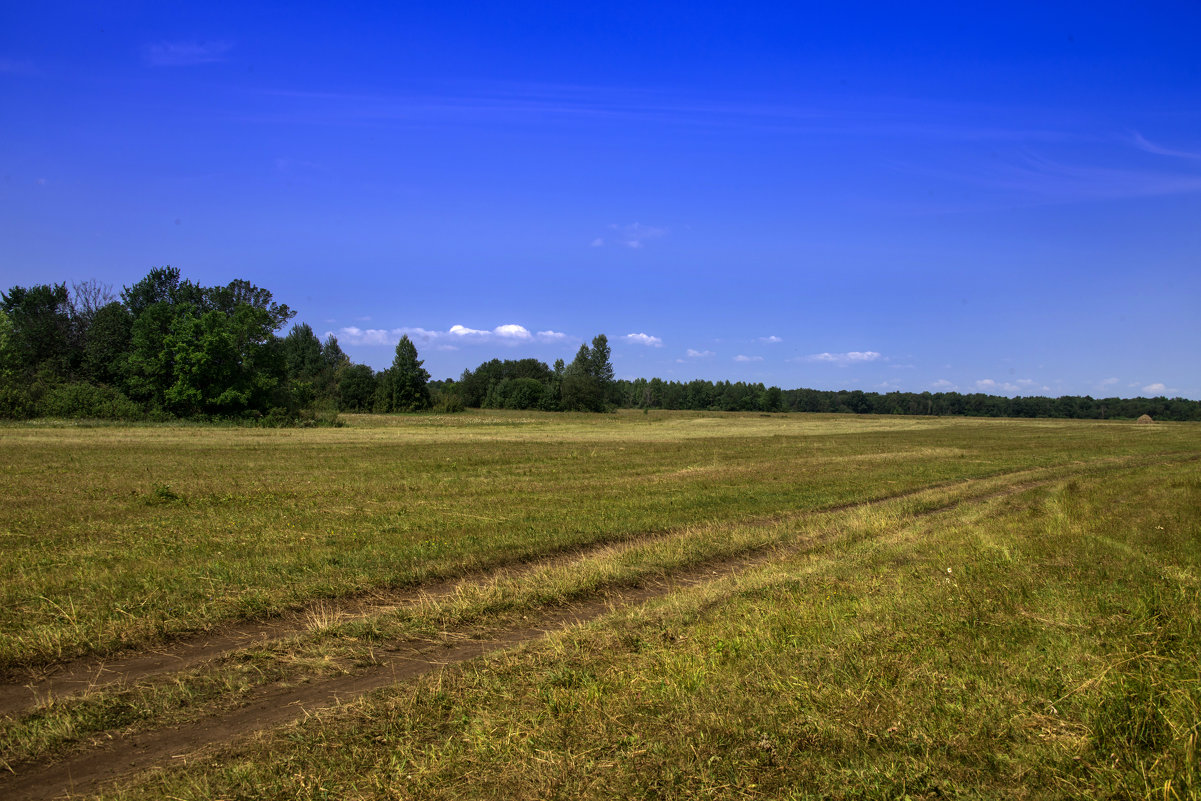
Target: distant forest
[{"x": 167, "y": 348}]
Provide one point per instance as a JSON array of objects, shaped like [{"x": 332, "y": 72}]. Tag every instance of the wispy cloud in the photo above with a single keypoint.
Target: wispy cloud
[
  {"x": 1150, "y": 147},
  {"x": 633, "y": 235},
  {"x": 943, "y": 385},
  {"x": 509, "y": 334},
  {"x": 742, "y": 358},
  {"x": 1056, "y": 182},
  {"x": 1155, "y": 389},
  {"x": 644, "y": 339},
  {"x": 699, "y": 354},
  {"x": 772, "y": 340},
  {"x": 185, "y": 54},
  {"x": 850, "y": 357},
  {"x": 500, "y": 102}
]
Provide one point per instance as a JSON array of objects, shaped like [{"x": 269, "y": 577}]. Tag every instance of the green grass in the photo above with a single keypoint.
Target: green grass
[
  {"x": 1040, "y": 645},
  {"x": 330, "y": 644},
  {"x": 116, "y": 536},
  {"x": 1017, "y": 617}
]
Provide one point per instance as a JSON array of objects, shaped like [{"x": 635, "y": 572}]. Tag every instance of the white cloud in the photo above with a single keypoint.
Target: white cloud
[
  {"x": 699, "y": 354},
  {"x": 185, "y": 54},
  {"x": 771, "y": 340},
  {"x": 512, "y": 331},
  {"x": 509, "y": 333},
  {"x": 464, "y": 331},
  {"x": 942, "y": 384},
  {"x": 742, "y": 358},
  {"x": 850, "y": 357},
  {"x": 1108, "y": 382},
  {"x": 634, "y": 235},
  {"x": 370, "y": 336},
  {"x": 643, "y": 339},
  {"x": 420, "y": 334},
  {"x": 1155, "y": 389}
]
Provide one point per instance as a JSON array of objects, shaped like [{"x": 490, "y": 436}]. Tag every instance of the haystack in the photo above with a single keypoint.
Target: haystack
[{"x": 1144, "y": 420}]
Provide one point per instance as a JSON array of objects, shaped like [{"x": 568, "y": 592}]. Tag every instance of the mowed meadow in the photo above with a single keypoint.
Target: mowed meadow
[{"x": 658, "y": 605}]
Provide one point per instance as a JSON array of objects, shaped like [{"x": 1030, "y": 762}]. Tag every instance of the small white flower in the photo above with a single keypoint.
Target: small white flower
[{"x": 948, "y": 571}]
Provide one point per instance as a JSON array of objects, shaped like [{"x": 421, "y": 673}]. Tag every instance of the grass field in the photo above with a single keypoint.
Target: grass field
[{"x": 773, "y": 606}]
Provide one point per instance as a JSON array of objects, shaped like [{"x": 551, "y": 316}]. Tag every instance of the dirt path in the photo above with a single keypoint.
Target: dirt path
[
  {"x": 272, "y": 705},
  {"x": 22, "y": 691}
]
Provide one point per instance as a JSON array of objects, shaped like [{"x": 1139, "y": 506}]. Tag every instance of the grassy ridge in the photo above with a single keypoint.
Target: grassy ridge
[
  {"x": 119, "y": 535},
  {"x": 1043, "y": 644}
]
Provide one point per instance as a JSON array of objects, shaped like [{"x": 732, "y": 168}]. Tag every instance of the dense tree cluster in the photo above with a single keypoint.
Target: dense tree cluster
[
  {"x": 725, "y": 396},
  {"x": 168, "y": 347},
  {"x": 585, "y": 385}
]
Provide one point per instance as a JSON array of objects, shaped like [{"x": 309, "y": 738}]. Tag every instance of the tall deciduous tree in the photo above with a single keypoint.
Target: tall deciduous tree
[
  {"x": 356, "y": 388},
  {"x": 161, "y": 285},
  {"x": 302, "y": 354},
  {"x": 106, "y": 343},
  {"x": 588, "y": 380},
  {"x": 8, "y": 354},
  {"x": 41, "y": 326}
]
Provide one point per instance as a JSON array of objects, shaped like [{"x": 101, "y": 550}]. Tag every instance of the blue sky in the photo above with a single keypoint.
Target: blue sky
[{"x": 1001, "y": 198}]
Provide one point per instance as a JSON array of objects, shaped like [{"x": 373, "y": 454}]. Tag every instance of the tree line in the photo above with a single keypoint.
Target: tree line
[{"x": 167, "y": 347}]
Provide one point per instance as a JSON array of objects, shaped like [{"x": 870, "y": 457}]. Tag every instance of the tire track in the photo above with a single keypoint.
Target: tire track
[
  {"x": 21, "y": 693},
  {"x": 39, "y": 685},
  {"x": 271, "y": 706}
]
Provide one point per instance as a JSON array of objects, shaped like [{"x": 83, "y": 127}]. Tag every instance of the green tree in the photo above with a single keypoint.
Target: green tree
[
  {"x": 239, "y": 293},
  {"x": 474, "y": 386},
  {"x": 515, "y": 393},
  {"x": 162, "y": 285},
  {"x": 402, "y": 387},
  {"x": 192, "y": 358},
  {"x": 356, "y": 388},
  {"x": 41, "y": 325},
  {"x": 8, "y": 355},
  {"x": 771, "y": 399},
  {"x": 302, "y": 354},
  {"x": 106, "y": 344},
  {"x": 587, "y": 383},
  {"x": 599, "y": 366},
  {"x": 222, "y": 364}
]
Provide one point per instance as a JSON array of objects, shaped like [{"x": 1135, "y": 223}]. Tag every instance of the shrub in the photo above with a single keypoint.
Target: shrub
[
  {"x": 515, "y": 393},
  {"x": 16, "y": 402},
  {"x": 449, "y": 403},
  {"x": 83, "y": 400}
]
